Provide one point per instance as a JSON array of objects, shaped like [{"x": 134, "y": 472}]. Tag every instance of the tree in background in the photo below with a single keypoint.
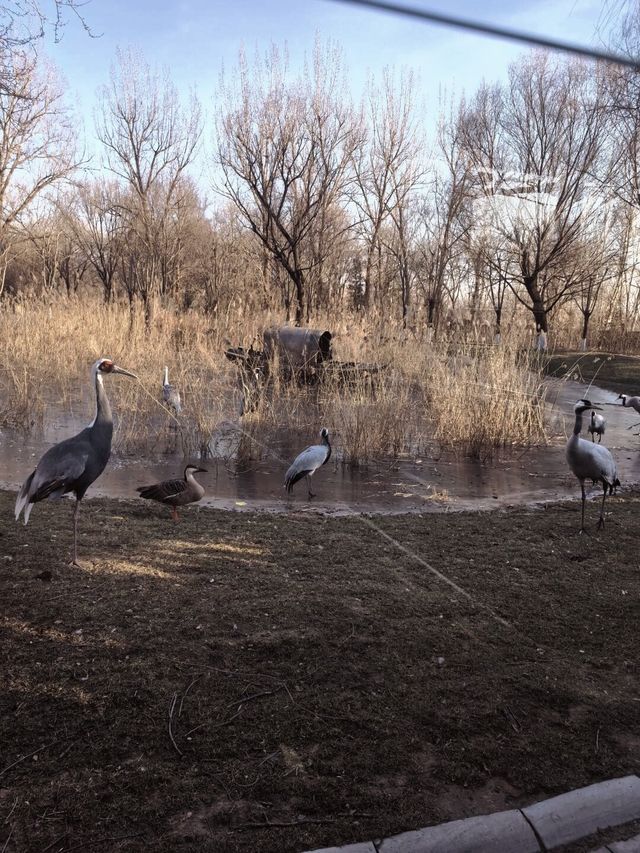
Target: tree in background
[
  {"x": 150, "y": 139},
  {"x": 37, "y": 143},
  {"x": 548, "y": 138},
  {"x": 285, "y": 150}
]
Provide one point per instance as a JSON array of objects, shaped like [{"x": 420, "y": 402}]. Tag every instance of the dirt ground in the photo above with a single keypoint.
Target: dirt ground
[{"x": 273, "y": 683}]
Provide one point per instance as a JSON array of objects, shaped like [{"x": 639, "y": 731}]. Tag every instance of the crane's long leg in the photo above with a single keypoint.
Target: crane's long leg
[
  {"x": 174, "y": 513},
  {"x": 583, "y": 500},
  {"x": 601, "y": 519},
  {"x": 75, "y": 533},
  {"x": 311, "y": 494}
]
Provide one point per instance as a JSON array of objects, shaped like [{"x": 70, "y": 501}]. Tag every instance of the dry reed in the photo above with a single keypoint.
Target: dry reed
[{"x": 419, "y": 396}]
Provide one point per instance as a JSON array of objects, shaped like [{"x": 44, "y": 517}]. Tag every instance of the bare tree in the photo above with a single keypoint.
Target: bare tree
[
  {"x": 444, "y": 216},
  {"x": 94, "y": 216},
  {"x": 24, "y": 22},
  {"x": 37, "y": 143},
  {"x": 150, "y": 140},
  {"x": 385, "y": 163},
  {"x": 285, "y": 150},
  {"x": 549, "y": 132}
]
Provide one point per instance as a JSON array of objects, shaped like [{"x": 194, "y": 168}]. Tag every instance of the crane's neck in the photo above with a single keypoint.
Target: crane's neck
[
  {"x": 325, "y": 441},
  {"x": 103, "y": 409},
  {"x": 165, "y": 381},
  {"x": 577, "y": 427}
]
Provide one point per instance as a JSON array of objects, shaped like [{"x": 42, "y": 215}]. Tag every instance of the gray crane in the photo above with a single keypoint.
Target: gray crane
[
  {"x": 74, "y": 464},
  {"x": 630, "y": 403},
  {"x": 597, "y": 426},
  {"x": 589, "y": 461},
  {"x": 308, "y": 462},
  {"x": 175, "y": 493},
  {"x": 170, "y": 394}
]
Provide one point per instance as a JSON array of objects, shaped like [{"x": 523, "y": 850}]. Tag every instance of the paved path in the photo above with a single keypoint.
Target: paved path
[{"x": 537, "y": 828}]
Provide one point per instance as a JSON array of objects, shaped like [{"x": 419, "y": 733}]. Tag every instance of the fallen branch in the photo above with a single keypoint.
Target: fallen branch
[
  {"x": 172, "y": 706},
  {"x": 86, "y": 844},
  {"x": 253, "y": 696},
  {"x": 6, "y": 843},
  {"x": 276, "y": 824},
  {"x": 184, "y": 695},
  {"x": 29, "y": 754},
  {"x": 218, "y": 725}
]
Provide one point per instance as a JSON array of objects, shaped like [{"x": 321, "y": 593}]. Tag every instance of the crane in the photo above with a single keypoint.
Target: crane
[
  {"x": 308, "y": 462},
  {"x": 175, "y": 493},
  {"x": 170, "y": 394},
  {"x": 589, "y": 461},
  {"x": 630, "y": 403},
  {"x": 74, "y": 464},
  {"x": 597, "y": 425}
]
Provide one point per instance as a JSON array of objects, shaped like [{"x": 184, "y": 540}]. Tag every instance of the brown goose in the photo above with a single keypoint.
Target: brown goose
[{"x": 175, "y": 493}]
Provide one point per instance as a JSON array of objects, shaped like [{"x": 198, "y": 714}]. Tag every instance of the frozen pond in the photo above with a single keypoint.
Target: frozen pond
[{"x": 447, "y": 483}]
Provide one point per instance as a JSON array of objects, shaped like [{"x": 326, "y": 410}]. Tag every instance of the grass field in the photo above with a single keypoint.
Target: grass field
[{"x": 244, "y": 682}]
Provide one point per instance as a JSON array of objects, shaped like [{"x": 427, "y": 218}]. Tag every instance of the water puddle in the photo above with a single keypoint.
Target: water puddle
[{"x": 448, "y": 483}]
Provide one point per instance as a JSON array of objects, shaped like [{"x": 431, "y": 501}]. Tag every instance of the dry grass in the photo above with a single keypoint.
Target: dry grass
[{"x": 474, "y": 398}]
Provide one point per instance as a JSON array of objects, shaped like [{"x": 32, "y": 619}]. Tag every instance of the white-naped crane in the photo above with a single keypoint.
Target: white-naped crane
[
  {"x": 308, "y": 462},
  {"x": 170, "y": 393},
  {"x": 589, "y": 461},
  {"x": 597, "y": 426},
  {"x": 175, "y": 493},
  {"x": 74, "y": 464},
  {"x": 630, "y": 403}
]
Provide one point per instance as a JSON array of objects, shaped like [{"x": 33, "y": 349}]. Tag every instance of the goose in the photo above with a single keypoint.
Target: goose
[{"x": 175, "y": 493}]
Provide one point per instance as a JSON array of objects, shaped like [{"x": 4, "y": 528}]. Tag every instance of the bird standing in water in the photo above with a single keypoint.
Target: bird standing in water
[
  {"x": 74, "y": 464},
  {"x": 175, "y": 493},
  {"x": 170, "y": 393},
  {"x": 308, "y": 462},
  {"x": 590, "y": 461}
]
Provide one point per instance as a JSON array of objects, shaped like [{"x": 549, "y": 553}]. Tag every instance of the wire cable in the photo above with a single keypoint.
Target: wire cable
[{"x": 500, "y": 32}]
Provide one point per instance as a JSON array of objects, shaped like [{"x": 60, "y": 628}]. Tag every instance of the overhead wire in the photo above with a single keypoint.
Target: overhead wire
[{"x": 494, "y": 30}]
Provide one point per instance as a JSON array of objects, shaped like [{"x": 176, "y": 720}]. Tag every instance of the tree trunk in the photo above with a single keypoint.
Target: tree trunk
[
  {"x": 586, "y": 316},
  {"x": 539, "y": 311},
  {"x": 298, "y": 280}
]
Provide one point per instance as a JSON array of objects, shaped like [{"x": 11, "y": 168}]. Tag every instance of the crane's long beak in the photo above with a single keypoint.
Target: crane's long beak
[
  {"x": 599, "y": 408},
  {"x": 122, "y": 371},
  {"x": 202, "y": 470}
]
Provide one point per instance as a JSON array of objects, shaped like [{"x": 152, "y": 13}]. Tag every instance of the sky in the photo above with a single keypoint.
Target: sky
[{"x": 196, "y": 38}]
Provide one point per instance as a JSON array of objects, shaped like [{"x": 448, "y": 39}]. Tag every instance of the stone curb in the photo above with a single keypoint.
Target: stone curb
[
  {"x": 532, "y": 829},
  {"x": 630, "y": 846}
]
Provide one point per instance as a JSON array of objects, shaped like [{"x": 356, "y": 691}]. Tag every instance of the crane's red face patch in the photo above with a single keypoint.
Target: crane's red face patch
[{"x": 106, "y": 366}]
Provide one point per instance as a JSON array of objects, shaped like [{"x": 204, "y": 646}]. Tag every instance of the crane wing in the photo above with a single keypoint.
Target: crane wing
[
  {"x": 306, "y": 462},
  {"x": 57, "y": 471},
  {"x": 55, "y": 475}
]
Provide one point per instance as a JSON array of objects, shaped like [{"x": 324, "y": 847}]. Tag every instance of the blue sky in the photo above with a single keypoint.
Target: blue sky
[{"x": 195, "y": 37}]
